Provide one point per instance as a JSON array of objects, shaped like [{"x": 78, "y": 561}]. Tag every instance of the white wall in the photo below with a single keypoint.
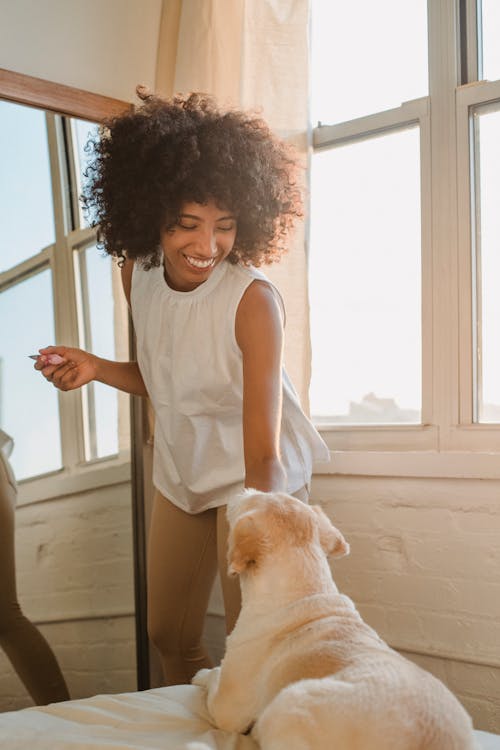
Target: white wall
[
  {"x": 103, "y": 46},
  {"x": 75, "y": 579},
  {"x": 424, "y": 570}
]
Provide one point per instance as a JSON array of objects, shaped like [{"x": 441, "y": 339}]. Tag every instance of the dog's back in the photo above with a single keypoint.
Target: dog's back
[
  {"x": 333, "y": 714},
  {"x": 358, "y": 693}
]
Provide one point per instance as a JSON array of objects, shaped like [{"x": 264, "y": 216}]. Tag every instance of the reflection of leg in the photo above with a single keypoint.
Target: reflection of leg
[
  {"x": 181, "y": 571},
  {"x": 230, "y": 586},
  {"x": 27, "y": 649},
  {"x": 32, "y": 658}
]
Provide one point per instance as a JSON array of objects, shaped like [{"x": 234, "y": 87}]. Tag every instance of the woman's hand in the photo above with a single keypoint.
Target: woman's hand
[{"x": 77, "y": 368}]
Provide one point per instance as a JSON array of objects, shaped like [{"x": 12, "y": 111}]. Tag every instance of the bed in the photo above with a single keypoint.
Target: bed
[{"x": 169, "y": 718}]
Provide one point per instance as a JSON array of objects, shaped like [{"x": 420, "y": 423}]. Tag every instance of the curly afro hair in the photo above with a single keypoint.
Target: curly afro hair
[{"x": 145, "y": 164}]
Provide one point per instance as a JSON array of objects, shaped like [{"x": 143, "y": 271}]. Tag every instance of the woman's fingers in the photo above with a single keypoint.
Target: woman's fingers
[
  {"x": 65, "y": 367},
  {"x": 59, "y": 376}
]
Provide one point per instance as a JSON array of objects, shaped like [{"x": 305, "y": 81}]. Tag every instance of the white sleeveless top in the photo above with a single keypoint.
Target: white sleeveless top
[{"x": 192, "y": 368}]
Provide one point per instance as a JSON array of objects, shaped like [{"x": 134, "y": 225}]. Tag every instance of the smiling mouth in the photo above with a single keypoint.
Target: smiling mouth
[{"x": 202, "y": 265}]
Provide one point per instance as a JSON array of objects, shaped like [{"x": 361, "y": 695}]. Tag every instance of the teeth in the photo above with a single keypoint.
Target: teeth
[{"x": 200, "y": 263}]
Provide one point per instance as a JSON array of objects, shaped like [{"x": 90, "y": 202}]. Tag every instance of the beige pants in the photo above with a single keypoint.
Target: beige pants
[
  {"x": 27, "y": 649},
  {"x": 185, "y": 552}
]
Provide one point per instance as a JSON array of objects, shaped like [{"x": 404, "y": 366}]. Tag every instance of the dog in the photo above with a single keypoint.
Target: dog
[{"x": 302, "y": 670}]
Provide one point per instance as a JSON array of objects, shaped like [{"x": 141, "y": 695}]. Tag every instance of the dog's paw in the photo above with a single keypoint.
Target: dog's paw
[{"x": 202, "y": 678}]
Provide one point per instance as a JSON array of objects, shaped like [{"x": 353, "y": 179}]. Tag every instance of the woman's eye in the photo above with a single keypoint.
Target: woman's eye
[
  {"x": 186, "y": 226},
  {"x": 226, "y": 228}
]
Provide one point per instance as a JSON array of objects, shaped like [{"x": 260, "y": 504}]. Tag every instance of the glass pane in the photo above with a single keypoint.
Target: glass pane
[
  {"x": 97, "y": 333},
  {"x": 366, "y": 56},
  {"x": 26, "y": 206},
  {"x": 365, "y": 281},
  {"x": 82, "y": 132},
  {"x": 488, "y": 265},
  {"x": 29, "y": 407},
  {"x": 490, "y": 22}
]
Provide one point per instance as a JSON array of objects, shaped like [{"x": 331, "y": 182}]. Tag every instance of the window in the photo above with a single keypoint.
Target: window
[
  {"x": 26, "y": 208},
  {"x": 29, "y": 410},
  {"x": 366, "y": 212},
  {"x": 372, "y": 323},
  {"x": 354, "y": 49},
  {"x": 486, "y": 243},
  {"x": 95, "y": 314},
  {"x": 404, "y": 265},
  {"x": 55, "y": 287}
]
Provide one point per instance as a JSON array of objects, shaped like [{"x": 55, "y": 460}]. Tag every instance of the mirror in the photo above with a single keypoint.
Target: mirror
[{"x": 79, "y": 523}]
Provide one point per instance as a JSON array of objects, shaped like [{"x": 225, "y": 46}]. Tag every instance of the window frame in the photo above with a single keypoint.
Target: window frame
[
  {"x": 366, "y": 437},
  {"x": 447, "y": 443},
  {"x": 469, "y": 97},
  {"x": 77, "y": 474}
]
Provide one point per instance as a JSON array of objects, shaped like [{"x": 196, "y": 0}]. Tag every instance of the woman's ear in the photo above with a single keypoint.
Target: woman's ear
[{"x": 330, "y": 538}]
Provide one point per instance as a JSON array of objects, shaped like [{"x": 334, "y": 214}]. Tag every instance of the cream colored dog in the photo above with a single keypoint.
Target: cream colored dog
[{"x": 301, "y": 666}]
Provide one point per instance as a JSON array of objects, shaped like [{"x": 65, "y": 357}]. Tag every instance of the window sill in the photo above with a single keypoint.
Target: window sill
[
  {"x": 69, "y": 482},
  {"x": 421, "y": 464},
  {"x": 388, "y": 437}
]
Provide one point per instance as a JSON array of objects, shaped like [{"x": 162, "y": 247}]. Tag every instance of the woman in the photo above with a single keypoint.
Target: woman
[{"x": 192, "y": 199}]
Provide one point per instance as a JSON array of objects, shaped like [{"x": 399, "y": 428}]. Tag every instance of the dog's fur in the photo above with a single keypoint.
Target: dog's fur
[{"x": 301, "y": 666}]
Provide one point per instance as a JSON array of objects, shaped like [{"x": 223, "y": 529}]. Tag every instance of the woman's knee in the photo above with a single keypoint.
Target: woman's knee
[
  {"x": 11, "y": 617},
  {"x": 162, "y": 634},
  {"x": 174, "y": 641}
]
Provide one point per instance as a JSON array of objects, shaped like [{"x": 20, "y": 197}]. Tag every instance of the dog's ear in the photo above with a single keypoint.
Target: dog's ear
[
  {"x": 245, "y": 544},
  {"x": 331, "y": 540}
]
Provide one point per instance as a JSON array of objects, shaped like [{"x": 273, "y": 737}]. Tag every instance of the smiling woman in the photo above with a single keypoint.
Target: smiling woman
[
  {"x": 191, "y": 198},
  {"x": 151, "y": 162},
  {"x": 202, "y": 237}
]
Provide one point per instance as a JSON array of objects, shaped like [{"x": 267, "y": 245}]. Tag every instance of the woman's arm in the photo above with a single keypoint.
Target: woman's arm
[
  {"x": 81, "y": 367},
  {"x": 259, "y": 333}
]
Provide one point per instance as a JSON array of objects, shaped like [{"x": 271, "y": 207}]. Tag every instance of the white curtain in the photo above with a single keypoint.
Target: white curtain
[{"x": 252, "y": 54}]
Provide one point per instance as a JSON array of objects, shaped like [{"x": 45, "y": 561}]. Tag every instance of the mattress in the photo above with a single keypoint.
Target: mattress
[{"x": 170, "y": 718}]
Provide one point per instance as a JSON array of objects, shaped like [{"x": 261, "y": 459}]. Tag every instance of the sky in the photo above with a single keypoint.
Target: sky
[{"x": 26, "y": 207}]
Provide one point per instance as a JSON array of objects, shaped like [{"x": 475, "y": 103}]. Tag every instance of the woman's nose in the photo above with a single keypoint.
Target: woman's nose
[{"x": 207, "y": 243}]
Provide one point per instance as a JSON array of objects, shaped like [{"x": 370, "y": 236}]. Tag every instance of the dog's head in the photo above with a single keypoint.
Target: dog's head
[{"x": 263, "y": 522}]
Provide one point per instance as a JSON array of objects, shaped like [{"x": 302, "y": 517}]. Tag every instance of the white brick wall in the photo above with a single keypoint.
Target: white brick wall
[
  {"x": 424, "y": 571},
  {"x": 75, "y": 580}
]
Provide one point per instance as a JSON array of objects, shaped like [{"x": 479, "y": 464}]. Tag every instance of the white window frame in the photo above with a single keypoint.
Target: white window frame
[
  {"x": 77, "y": 474},
  {"x": 447, "y": 443}
]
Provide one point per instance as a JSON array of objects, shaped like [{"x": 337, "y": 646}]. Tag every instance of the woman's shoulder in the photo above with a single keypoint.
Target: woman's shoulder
[
  {"x": 260, "y": 309},
  {"x": 259, "y": 292}
]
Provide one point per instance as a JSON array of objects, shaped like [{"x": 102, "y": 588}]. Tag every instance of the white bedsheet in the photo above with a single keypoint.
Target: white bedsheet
[
  {"x": 172, "y": 718},
  {"x": 168, "y": 718}
]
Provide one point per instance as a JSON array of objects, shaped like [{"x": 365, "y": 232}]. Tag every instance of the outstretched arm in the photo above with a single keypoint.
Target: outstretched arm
[
  {"x": 80, "y": 367},
  {"x": 259, "y": 333}
]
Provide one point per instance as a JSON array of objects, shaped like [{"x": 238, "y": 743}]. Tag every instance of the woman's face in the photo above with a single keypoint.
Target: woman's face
[{"x": 202, "y": 237}]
